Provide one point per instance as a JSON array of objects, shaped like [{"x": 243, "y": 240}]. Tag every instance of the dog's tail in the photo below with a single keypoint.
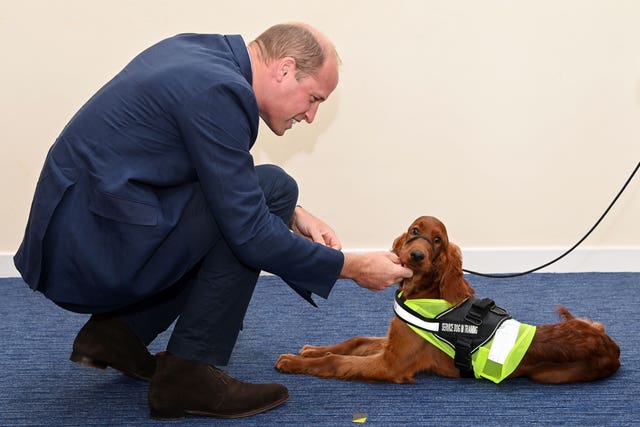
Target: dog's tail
[
  {"x": 566, "y": 316},
  {"x": 564, "y": 313}
]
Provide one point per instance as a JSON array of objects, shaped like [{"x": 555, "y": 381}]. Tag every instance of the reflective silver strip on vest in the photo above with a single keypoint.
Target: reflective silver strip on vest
[
  {"x": 413, "y": 320},
  {"x": 504, "y": 340}
]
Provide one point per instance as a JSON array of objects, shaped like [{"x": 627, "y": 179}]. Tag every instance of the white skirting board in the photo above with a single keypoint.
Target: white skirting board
[
  {"x": 7, "y": 269},
  {"x": 587, "y": 259},
  {"x": 506, "y": 260}
]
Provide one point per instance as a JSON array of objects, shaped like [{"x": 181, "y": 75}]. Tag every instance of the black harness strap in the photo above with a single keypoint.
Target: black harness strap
[{"x": 462, "y": 359}]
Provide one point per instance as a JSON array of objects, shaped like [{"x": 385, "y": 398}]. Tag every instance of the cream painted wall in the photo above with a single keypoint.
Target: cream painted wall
[{"x": 514, "y": 122}]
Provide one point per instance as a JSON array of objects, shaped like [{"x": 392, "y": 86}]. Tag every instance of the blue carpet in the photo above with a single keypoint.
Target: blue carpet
[{"x": 40, "y": 386}]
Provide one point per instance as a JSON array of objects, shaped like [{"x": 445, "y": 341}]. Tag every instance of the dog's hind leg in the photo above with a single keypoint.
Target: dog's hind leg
[{"x": 575, "y": 350}]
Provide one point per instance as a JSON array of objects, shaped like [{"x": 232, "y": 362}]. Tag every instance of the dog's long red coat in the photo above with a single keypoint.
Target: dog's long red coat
[{"x": 570, "y": 351}]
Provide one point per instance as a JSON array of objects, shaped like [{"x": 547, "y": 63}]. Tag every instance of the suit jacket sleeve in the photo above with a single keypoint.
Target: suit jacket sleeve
[{"x": 218, "y": 131}]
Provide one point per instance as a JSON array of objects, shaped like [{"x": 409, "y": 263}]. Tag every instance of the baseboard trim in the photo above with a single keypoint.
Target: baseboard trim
[
  {"x": 505, "y": 260},
  {"x": 7, "y": 269},
  {"x": 519, "y": 259},
  {"x": 587, "y": 259}
]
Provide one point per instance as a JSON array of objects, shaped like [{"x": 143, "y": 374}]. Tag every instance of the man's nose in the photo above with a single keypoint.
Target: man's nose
[{"x": 311, "y": 113}]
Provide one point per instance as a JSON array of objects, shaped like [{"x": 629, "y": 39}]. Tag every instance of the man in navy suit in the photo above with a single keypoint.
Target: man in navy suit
[{"x": 150, "y": 209}]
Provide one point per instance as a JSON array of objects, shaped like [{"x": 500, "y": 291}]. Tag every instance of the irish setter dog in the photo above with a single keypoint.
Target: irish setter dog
[{"x": 573, "y": 350}]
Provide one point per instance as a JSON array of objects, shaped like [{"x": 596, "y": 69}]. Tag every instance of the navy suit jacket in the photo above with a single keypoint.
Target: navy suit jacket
[{"x": 106, "y": 224}]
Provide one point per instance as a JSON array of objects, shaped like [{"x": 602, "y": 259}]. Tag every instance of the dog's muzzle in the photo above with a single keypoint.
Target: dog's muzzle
[{"x": 418, "y": 256}]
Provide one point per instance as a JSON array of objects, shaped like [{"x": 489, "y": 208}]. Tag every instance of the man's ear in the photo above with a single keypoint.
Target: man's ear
[{"x": 286, "y": 67}]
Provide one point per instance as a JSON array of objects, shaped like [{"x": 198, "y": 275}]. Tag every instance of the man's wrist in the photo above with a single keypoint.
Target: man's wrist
[
  {"x": 292, "y": 223},
  {"x": 350, "y": 266}
]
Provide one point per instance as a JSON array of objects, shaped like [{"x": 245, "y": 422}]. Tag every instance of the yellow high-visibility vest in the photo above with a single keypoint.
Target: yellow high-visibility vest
[{"x": 494, "y": 360}]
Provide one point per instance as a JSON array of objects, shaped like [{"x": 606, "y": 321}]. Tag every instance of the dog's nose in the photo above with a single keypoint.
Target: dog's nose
[{"x": 417, "y": 255}]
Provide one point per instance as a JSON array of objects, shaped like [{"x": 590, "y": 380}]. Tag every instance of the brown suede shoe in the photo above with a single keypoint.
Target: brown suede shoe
[
  {"x": 182, "y": 386},
  {"x": 108, "y": 341}
]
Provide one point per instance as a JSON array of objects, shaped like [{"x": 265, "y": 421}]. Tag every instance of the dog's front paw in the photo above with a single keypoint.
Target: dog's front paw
[
  {"x": 313, "y": 351},
  {"x": 286, "y": 363}
]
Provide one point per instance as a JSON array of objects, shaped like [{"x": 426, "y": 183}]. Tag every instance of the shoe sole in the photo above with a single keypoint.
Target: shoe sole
[
  {"x": 158, "y": 416},
  {"x": 86, "y": 361},
  {"x": 90, "y": 362}
]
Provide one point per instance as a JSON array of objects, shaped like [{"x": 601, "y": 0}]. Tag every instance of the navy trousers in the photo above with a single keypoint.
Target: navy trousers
[{"x": 211, "y": 300}]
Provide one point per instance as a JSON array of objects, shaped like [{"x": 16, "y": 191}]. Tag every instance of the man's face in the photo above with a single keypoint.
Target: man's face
[{"x": 290, "y": 100}]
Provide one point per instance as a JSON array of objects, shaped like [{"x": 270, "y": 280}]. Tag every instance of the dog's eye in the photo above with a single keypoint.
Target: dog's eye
[
  {"x": 437, "y": 240},
  {"x": 415, "y": 231}
]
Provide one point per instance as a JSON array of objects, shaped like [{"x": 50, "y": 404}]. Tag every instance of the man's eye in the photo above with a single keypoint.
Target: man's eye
[{"x": 415, "y": 231}]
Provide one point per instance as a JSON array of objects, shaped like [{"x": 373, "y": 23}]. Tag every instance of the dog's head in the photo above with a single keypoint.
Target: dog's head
[{"x": 436, "y": 263}]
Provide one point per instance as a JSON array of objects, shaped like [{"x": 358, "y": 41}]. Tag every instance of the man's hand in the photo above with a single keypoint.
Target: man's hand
[
  {"x": 314, "y": 229},
  {"x": 375, "y": 270}
]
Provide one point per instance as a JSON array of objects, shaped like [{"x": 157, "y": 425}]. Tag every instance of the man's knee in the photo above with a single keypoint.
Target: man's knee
[{"x": 280, "y": 190}]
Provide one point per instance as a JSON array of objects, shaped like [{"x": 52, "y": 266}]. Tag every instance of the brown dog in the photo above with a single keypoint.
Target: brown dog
[{"x": 570, "y": 351}]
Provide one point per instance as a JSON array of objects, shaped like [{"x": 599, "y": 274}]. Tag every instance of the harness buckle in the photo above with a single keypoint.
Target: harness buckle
[{"x": 478, "y": 310}]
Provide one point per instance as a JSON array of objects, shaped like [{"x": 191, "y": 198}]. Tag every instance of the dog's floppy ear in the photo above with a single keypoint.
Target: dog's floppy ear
[
  {"x": 453, "y": 286},
  {"x": 398, "y": 243}
]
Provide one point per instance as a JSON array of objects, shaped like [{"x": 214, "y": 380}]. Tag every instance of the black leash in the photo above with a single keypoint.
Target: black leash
[{"x": 504, "y": 276}]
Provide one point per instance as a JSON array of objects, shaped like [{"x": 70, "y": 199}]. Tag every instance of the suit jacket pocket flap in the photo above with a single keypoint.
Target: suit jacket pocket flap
[{"x": 123, "y": 210}]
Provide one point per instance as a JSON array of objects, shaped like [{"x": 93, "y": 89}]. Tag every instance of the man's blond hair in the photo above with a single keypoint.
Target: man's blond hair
[{"x": 297, "y": 41}]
